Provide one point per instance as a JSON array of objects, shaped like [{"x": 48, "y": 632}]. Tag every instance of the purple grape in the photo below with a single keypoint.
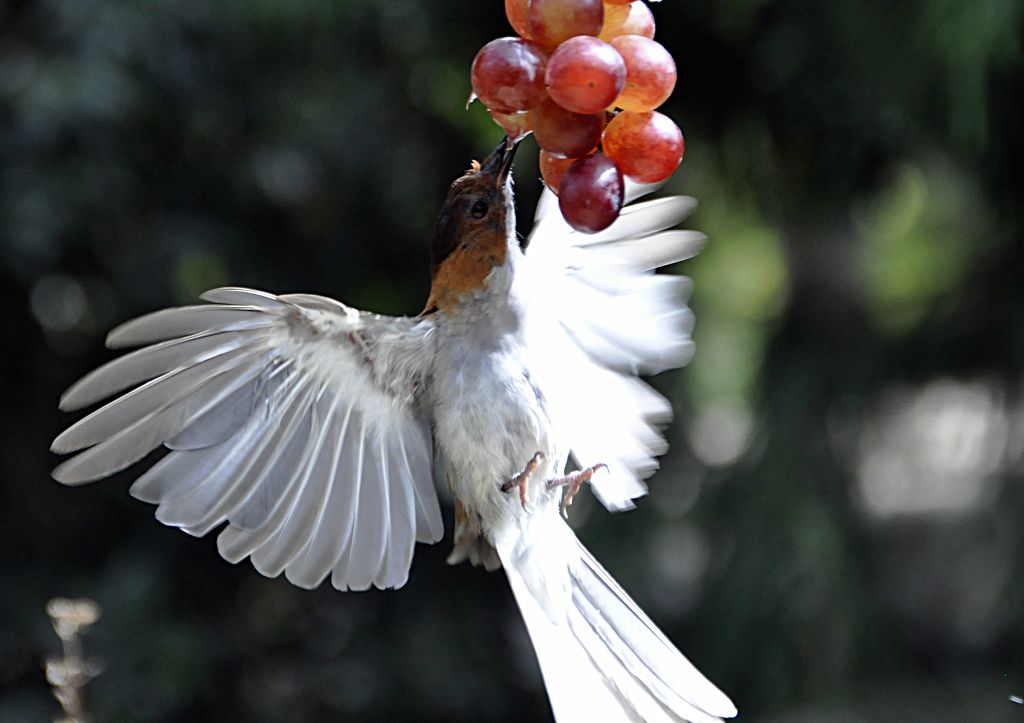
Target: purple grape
[{"x": 590, "y": 195}]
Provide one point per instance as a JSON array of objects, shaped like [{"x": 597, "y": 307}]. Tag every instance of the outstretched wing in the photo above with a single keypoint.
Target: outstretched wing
[
  {"x": 609, "y": 318},
  {"x": 294, "y": 418}
]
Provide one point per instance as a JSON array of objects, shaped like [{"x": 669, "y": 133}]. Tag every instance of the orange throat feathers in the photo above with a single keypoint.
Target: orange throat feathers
[{"x": 466, "y": 268}]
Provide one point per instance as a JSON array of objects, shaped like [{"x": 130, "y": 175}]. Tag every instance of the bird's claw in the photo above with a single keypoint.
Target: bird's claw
[
  {"x": 574, "y": 480},
  {"x": 522, "y": 479}
]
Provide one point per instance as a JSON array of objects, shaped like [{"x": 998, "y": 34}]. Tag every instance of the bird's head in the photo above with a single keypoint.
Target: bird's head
[{"x": 474, "y": 230}]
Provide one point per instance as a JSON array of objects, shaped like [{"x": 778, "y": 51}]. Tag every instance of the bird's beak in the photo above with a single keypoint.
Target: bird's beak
[{"x": 499, "y": 163}]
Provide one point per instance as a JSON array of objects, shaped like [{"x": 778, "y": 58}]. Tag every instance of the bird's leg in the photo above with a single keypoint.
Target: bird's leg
[
  {"x": 574, "y": 480},
  {"x": 523, "y": 478}
]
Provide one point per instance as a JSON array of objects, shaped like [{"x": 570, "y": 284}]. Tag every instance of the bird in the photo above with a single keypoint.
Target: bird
[{"x": 317, "y": 436}]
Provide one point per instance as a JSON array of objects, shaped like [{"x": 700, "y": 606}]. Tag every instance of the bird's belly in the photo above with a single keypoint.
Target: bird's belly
[{"x": 490, "y": 419}]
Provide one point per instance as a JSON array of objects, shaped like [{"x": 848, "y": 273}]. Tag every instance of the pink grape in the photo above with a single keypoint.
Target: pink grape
[
  {"x": 563, "y": 132},
  {"x": 650, "y": 72},
  {"x": 553, "y": 168},
  {"x": 572, "y": 64},
  {"x": 515, "y": 125},
  {"x": 590, "y": 195},
  {"x": 647, "y": 147},
  {"x": 508, "y": 75},
  {"x": 585, "y": 74},
  {"x": 515, "y": 11},
  {"x": 552, "y": 21},
  {"x": 633, "y": 19}
]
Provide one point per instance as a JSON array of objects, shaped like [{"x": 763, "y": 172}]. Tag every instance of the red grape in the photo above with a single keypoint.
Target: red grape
[
  {"x": 515, "y": 125},
  {"x": 585, "y": 74},
  {"x": 632, "y": 19},
  {"x": 602, "y": 57},
  {"x": 553, "y": 168},
  {"x": 508, "y": 75},
  {"x": 648, "y": 147},
  {"x": 650, "y": 72},
  {"x": 515, "y": 11},
  {"x": 590, "y": 195},
  {"x": 552, "y": 21},
  {"x": 563, "y": 132}
]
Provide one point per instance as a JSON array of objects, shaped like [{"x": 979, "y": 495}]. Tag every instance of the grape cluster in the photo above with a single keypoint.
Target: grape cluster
[{"x": 585, "y": 77}]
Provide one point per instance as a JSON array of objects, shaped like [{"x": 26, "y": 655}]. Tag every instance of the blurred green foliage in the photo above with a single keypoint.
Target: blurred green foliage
[{"x": 859, "y": 330}]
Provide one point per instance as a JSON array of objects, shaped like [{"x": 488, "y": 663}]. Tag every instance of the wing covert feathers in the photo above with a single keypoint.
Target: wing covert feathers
[{"x": 288, "y": 417}]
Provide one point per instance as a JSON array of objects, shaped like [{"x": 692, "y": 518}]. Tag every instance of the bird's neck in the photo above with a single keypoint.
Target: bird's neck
[
  {"x": 495, "y": 308},
  {"x": 478, "y": 270}
]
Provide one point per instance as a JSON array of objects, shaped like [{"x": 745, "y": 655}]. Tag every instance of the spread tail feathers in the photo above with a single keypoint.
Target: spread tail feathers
[{"x": 601, "y": 657}]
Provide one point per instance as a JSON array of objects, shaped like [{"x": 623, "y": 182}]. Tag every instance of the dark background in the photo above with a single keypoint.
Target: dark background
[{"x": 837, "y": 533}]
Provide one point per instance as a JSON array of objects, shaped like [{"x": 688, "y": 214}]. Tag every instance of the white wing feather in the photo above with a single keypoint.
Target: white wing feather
[
  {"x": 608, "y": 318},
  {"x": 289, "y": 417}
]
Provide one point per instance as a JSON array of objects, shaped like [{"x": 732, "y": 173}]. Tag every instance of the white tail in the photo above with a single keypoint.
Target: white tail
[{"x": 601, "y": 657}]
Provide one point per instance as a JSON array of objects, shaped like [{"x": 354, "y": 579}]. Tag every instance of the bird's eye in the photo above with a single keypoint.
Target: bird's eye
[{"x": 479, "y": 209}]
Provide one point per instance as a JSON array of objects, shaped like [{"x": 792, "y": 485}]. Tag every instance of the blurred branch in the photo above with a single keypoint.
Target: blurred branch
[{"x": 69, "y": 674}]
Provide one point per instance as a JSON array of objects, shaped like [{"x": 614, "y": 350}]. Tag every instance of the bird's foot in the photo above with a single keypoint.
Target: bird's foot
[
  {"x": 574, "y": 480},
  {"x": 522, "y": 479}
]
